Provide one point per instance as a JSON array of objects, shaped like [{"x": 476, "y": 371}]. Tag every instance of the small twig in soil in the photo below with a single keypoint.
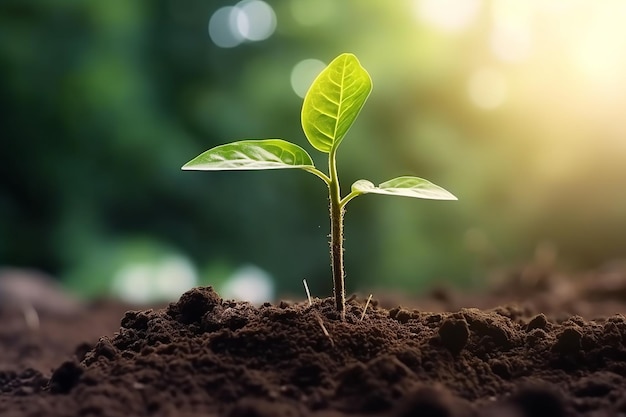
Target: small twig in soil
[
  {"x": 365, "y": 308},
  {"x": 317, "y": 316},
  {"x": 308, "y": 293},
  {"x": 319, "y": 320}
]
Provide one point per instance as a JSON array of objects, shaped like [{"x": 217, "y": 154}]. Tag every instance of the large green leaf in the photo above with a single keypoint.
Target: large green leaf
[
  {"x": 252, "y": 155},
  {"x": 404, "y": 186},
  {"x": 333, "y": 102}
]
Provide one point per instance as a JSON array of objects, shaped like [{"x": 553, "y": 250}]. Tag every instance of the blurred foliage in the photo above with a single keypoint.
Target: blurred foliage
[{"x": 102, "y": 102}]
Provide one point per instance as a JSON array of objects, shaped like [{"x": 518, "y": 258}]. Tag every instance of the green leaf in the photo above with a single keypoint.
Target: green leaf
[
  {"x": 252, "y": 155},
  {"x": 333, "y": 102},
  {"x": 404, "y": 186}
]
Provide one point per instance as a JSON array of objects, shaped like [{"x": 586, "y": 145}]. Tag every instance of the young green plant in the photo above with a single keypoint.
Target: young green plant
[{"x": 330, "y": 107}]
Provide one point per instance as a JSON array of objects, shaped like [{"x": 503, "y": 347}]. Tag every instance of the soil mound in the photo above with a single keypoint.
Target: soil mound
[{"x": 212, "y": 357}]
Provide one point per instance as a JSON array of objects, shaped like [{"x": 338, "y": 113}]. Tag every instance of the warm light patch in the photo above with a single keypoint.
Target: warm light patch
[
  {"x": 600, "y": 51},
  {"x": 510, "y": 38},
  {"x": 448, "y": 15},
  {"x": 487, "y": 88}
]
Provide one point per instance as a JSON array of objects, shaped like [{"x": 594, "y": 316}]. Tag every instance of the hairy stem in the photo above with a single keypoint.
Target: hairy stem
[{"x": 336, "y": 236}]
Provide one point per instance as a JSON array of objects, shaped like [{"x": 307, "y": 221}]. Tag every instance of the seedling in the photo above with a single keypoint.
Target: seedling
[{"x": 330, "y": 107}]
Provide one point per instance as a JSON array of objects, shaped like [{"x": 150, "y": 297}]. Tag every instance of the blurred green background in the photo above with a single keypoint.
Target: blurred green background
[{"x": 517, "y": 107}]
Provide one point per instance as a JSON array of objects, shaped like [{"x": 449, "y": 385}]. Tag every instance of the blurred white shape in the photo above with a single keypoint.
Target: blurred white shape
[
  {"x": 311, "y": 13},
  {"x": 223, "y": 27},
  {"x": 145, "y": 282},
  {"x": 249, "y": 283},
  {"x": 448, "y": 15},
  {"x": 132, "y": 283},
  {"x": 487, "y": 88},
  {"x": 256, "y": 20},
  {"x": 303, "y": 74},
  {"x": 173, "y": 276}
]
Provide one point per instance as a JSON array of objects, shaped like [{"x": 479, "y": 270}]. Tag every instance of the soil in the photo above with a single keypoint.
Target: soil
[{"x": 544, "y": 344}]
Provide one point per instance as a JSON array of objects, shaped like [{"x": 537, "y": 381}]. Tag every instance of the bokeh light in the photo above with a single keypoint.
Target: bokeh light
[
  {"x": 303, "y": 74},
  {"x": 224, "y": 27},
  {"x": 256, "y": 20},
  {"x": 487, "y": 88},
  {"x": 249, "y": 283},
  {"x": 248, "y": 20},
  {"x": 163, "y": 279}
]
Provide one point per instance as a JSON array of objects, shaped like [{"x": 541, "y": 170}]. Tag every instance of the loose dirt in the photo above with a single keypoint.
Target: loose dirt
[{"x": 205, "y": 356}]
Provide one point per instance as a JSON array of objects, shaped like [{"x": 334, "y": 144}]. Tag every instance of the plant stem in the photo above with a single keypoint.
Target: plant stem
[{"x": 336, "y": 236}]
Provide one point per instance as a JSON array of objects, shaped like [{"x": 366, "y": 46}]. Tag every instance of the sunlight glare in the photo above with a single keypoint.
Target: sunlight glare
[
  {"x": 448, "y": 15},
  {"x": 510, "y": 39},
  {"x": 600, "y": 53}
]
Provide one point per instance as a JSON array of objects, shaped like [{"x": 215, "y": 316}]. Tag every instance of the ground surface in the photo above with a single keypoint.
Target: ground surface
[{"x": 560, "y": 350}]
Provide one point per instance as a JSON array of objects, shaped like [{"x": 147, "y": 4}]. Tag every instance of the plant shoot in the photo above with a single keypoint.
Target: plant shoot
[{"x": 330, "y": 107}]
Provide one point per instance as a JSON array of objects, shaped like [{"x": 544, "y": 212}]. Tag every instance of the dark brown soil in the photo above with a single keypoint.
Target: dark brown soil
[{"x": 204, "y": 356}]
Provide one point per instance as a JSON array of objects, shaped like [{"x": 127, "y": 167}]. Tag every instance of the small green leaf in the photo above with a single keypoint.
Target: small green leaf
[
  {"x": 252, "y": 155},
  {"x": 404, "y": 186},
  {"x": 333, "y": 102}
]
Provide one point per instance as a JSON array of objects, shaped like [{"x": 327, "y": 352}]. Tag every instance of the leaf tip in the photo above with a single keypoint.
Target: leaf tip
[
  {"x": 187, "y": 166},
  {"x": 447, "y": 195}
]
